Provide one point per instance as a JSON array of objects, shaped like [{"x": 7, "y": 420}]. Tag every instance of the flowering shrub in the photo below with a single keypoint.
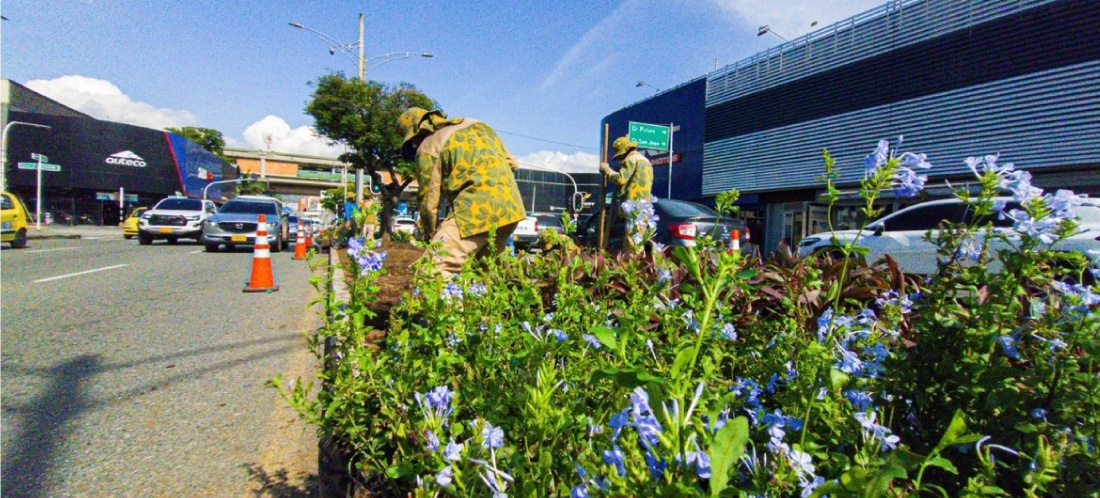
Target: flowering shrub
[{"x": 710, "y": 373}]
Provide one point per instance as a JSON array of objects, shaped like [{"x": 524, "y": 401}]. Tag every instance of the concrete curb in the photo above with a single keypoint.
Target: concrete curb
[{"x": 43, "y": 236}]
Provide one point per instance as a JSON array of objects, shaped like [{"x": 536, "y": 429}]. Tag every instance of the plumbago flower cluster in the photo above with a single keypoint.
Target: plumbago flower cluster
[{"x": 712, "y": 374}]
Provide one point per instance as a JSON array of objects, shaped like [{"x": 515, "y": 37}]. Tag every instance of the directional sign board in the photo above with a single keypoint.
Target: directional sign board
[
  {"x": 45, "y": 166},
  {"x": 649, "y": 136},
  {"x": 40, "y": 157}
]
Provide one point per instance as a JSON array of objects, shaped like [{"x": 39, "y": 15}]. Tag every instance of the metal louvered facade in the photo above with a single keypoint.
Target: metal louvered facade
[{"x": 956, "y": 78}]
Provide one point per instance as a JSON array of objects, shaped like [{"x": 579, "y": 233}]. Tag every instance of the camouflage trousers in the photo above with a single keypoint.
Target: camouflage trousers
[{"x": 457, "y": 249}]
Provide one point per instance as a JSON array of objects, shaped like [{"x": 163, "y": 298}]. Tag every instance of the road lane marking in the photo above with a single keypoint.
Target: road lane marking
[
  {"x": 195, "y": 252},
  {"x": 78, "y": 273},
  {"x": 55, "y": 249},
  {"x": 103, "y": 237}
]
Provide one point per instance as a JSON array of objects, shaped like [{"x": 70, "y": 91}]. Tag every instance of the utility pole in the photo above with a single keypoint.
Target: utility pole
[{"x": 362, "y": 79}]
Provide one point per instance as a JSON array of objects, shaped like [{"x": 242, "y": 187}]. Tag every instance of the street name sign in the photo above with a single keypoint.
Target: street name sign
[
  {"x": 40, "y": 157},
  {"x": 45, "y": 166},
  {"x": 648, "y": 136}
]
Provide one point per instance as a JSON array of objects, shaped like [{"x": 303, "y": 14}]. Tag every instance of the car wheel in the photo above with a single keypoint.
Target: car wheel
[
  {"x": 144, "y": 238},
  {"x": 127, "y": 237},
  {"x": 278, "y": 245},
  {"x": 20, "y": 240},
  {"x": 211, "y": 248},
  {"x": 173, "y": 240}
]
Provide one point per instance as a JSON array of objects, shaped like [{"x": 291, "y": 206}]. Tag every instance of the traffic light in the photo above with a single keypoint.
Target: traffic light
[{"x": 375, "y": 187}]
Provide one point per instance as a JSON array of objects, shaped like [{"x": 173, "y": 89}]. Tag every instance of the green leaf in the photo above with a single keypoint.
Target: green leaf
[
  {"x": 837, "y": 379},
  {"x": 954, "y": 430},
  {"x": 944, "y": 464},
  {"x": 727, "y": 448},
  {"x": 682, "y": 359},
  {"x": 398, "y": 471},
  {"x": 880, "y": 481},
  {"x": 606, "y": 336}
]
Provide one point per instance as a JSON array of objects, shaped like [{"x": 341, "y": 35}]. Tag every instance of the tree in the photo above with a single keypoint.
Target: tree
[
  {"x": 207, "y": 138},
  {"x": 363, "y": 117}
]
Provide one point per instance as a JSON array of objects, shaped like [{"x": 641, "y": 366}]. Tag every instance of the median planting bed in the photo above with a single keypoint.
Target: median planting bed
[{"x": 710, "y": 373}]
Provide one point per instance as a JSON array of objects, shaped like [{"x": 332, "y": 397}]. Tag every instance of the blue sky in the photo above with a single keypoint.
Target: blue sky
[{"x": 549, "y": 70}]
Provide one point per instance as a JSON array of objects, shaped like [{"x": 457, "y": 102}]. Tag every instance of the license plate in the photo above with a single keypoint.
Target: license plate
[
  {"x": 165, "y": 230},
  {"x": 238, "y": 238}
]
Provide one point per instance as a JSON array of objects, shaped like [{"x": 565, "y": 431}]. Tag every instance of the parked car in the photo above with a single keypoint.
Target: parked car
[
  {"x": 550, "y": 221},
  {"x": 902, "y": 234},
  {"x": 404, "y": 224},
  {"x": 175, "y": 218},
  {"x": 13, "y": 220},
  {"x": 680, "y": 223},
  {"x": 236, "y": 224},
  {"x": 526, "y": 234},
  {"x": 130, "y": 224}
]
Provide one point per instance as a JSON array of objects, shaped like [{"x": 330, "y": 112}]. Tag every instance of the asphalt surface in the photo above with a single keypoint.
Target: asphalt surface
[{"x": 132, "y": 370}]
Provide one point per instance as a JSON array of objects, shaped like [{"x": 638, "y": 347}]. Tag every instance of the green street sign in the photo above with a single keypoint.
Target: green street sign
[
  {"x": 45, "y": 166},
  {"x": 648, "y": 136}
]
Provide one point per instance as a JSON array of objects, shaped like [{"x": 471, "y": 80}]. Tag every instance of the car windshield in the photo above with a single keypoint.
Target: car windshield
[
  {"x": 180, "y": 204},
  {"x": 685, "y": 209},
  {"x": 245, "y": 207},
  {"x": 137, "y": 212},
  {"x": 550, "y": 220}
]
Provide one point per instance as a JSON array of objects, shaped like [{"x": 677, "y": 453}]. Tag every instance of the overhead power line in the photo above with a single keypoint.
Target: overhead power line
[{"x": 544, "y": 140}]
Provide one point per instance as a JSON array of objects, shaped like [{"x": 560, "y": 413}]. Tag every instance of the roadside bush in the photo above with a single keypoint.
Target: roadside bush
[{"x": 709, "y": 373}]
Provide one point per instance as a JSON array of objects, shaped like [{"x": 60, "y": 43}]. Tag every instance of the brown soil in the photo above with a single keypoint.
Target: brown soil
[{"x": 395, "y": 282}]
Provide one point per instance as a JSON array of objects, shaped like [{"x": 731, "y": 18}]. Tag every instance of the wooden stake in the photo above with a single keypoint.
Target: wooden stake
[{"x": 603, "y": 190}]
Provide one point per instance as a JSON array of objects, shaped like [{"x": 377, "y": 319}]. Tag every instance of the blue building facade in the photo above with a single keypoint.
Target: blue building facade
[
  {"x": 956, "y": 78},
  {"x": 681, "y": 107}
]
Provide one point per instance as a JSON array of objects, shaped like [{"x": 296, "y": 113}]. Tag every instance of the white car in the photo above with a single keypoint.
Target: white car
[
  {"x": 404, "y": 224},
  {"x": 901, "y": 234},
  {"x": 175, "y": 218},
  {"x": 526, "y": 235}
]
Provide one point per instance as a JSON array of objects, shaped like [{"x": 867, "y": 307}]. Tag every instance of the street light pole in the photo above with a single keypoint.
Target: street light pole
[{"x": 4, "y": 148}]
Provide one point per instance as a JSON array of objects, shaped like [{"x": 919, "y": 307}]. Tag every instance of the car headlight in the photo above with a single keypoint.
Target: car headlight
[
  {"x": 146, "y": 216},
  {"x": 809, "y": 241},
  {"x": 193, "y": 217}
]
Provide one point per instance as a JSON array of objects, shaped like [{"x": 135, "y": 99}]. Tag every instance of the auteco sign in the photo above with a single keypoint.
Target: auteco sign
[{"x": 126, "y": 158}]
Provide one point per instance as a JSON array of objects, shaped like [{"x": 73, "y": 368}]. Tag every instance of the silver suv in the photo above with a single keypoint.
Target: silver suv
[
  {"x": 175, "y": 218},
  {"x": 236, "y": 223}
]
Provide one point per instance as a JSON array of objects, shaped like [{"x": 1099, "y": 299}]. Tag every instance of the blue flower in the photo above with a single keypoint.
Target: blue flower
[
  {"x": 875, "y": 431},
  {"x": 614, "y": 456},
  {"x": 452, "y": 291},
  {"x": 876, "y": 159},
  {"x": 699, "y": 459},
  {"x": 579, "y": 491},
  {"x": 655, "y": 464},
  {"x": 619, "y": 421},
  {"x": 592, "y": 341},
  {"x": 493, "y": 436},
  {"x": 664, "y": 275},
  {"x": 445, "y": 476},
  {"x": 748, "y": 388},
  {"x": 729, "y": 332},
  {"x": 860, "y": 400},
  {"x": 809, "y": 485},
  {"x": 1008, "y": 345},
  {"x": 477, "y": 290},
  {"x": 453, "y": 451},
  {"x": 559, "y": 334},
  {"x": 801, "y": 463},
  {"x": 433, "y": 441},
  {"x": 1039, "y": 414}
]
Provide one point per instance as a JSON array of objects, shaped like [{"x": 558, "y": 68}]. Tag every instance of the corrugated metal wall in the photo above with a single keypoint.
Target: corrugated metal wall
[{"x": 1042, "y": 112}]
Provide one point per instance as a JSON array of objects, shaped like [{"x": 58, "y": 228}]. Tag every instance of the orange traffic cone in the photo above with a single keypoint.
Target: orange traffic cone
[
  {"x": 300, "y": 243},
  {"x": 309, "y": 236},
  {"x": 263, "y": 279}
]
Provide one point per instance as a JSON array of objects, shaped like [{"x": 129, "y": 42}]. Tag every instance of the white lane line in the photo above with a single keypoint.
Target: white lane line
[
  {"x": 55, "y": 249},
  {"x": 104, "y": 237},
  {"x": 78, "y": 273},
  {"x": 195, "y": 252}
]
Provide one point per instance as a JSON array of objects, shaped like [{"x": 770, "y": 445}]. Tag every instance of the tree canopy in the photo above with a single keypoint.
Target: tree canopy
[{"x": 363, "y": 117}]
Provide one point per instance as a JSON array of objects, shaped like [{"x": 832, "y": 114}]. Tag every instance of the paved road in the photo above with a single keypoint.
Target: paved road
[{"x": 132, "y": 370}]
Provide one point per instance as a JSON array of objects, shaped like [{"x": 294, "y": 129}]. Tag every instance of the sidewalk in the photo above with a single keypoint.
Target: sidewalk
[{"x": 72, "y": 232}]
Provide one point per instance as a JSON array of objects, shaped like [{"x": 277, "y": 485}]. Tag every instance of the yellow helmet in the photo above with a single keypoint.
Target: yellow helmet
[{"x": 622, "y": 146}]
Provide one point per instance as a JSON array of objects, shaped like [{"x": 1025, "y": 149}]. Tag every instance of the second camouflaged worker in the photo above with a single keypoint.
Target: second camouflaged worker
[
  {"x": 633, "y": 181},
  {"x": 462, "y": 160}
]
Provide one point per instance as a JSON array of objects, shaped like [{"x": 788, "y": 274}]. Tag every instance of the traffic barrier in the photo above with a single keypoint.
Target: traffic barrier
[
  {"x": 309, "y": 236},
  {"x": 735, "y": 240},
  {"x": 300, "y": 243},
  {"x": 263, "y": 278}
]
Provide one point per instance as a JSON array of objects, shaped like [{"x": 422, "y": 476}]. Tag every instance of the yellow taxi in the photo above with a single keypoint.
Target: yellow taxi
[
  {"x": 130, "y": 225},
  {"x": 13, "y": 220}
]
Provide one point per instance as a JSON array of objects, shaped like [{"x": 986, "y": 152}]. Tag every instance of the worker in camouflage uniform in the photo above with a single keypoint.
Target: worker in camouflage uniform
[
  {"x": 633, "y": 182},
  {"x": 462, "y": 160}
]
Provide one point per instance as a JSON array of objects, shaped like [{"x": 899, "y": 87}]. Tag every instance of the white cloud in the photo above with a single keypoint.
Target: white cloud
[
  {"x": 546, "y": 160},
  {"x": 791, "y": 19},
  {"x": 595, "y": 35},
  {"x": 101, "y": 99},
  {"x": 300, "y": 140}
]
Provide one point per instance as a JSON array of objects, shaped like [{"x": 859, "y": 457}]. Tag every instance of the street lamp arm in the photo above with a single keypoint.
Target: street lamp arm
[
  {"x": 334, "y": 44},
  {"x": 235, "y": 180},
  {"x": 4, "y": 146},
  {"x": 393, "y": 56}
]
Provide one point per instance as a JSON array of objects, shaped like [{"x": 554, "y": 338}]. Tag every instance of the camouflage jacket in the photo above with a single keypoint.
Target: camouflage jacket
[
  {"x": 634, "y": 180},
  {"x": 467, "y": 164}
]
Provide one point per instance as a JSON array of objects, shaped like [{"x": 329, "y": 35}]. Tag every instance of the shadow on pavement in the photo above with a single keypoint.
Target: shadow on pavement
[
  {"x": 28, "y": 464},
  {"x": 278, "y": 484}
]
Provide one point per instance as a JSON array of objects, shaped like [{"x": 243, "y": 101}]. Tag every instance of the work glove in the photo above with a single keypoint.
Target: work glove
[{"x": 606, "y": 169}]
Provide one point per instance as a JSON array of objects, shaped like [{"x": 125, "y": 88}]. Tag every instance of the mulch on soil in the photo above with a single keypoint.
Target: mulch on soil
[{"x": 395, "y": 282}]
